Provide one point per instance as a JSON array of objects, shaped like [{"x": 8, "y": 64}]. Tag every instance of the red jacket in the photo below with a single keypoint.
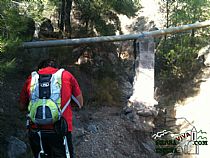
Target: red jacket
[{"x": 69, "y": 86}]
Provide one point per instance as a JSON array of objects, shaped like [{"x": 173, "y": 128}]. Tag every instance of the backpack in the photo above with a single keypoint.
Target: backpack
[
  {"x": 45, "y": 98},
  {"x": 45, "y": 104}
]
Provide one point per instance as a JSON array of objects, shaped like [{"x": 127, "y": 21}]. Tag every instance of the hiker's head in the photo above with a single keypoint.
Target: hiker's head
[{"x": 48, "y": 62}]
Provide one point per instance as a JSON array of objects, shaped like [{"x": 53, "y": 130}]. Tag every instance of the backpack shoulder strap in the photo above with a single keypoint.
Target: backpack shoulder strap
[
  {"x": 75, "y": 100},
  {"x": 34, "y": 87},
  {"x": 56, "y": 77},
  {"x": 71, "y": 97},
  {"x": 34, "y": 77},
  {"x": 59, "y": 72},
  {"x": 68, "y": 102},
  {"x": 65, "y": 106}
]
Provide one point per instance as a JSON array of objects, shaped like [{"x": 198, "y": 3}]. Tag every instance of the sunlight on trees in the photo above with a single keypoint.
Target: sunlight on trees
[{"x": 178, "y": 53}]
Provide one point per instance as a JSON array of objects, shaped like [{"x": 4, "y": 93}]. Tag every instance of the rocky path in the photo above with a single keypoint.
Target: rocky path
[
  {"x": 99, "y": 131},
  {"x": 102, "y": 132}
]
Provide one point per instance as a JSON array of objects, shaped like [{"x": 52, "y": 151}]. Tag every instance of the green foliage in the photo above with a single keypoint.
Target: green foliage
[
  {"x": 13, "y": 30},
  {"x": 13, "y": 25},
  {"x": 6, "y": 67},
  {"x": 98, "y": 17},
  {"x": 108, "y": 91},
  {"x": 7, "y": 45},
  {"x": 37, "y": 9},
  {"x": 34, "y": 9},
  {"x": 178, "y": 53},
  {"x": 9, "y": 20},
  {"x": 126, "y": 7},
  {"x": 2, "y": 45},
  {"x": 180, "y": 63},
  {"x": 106, "y": 70},
  {"x": 182, "y": 12},
  {"x": 101, "y": 15}
]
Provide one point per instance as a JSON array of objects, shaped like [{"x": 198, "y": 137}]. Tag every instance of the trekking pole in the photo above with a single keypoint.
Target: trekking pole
[
  {"x": 66, "y": 147},
  {"x": 41, "y": 153}
]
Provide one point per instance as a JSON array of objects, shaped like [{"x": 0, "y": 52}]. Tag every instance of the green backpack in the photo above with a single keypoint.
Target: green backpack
[{"x": 45, "y": 98}]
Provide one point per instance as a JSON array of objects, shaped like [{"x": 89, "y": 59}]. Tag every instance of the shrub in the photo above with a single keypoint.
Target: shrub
[{"x": 108, "y": 91}]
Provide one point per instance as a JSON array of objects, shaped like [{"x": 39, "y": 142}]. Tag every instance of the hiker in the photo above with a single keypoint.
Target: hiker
[{"x": 47, "y": 95}]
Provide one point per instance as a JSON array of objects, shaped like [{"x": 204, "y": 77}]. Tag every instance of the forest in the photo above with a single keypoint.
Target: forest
[
  {"x": 105, "y": 71},
  {"x": 33, "y": 20}
]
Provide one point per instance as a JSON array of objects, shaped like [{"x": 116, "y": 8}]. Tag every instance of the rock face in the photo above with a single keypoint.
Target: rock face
[
  {"x": 126, "y": 89},
  {"x": 142, "y": 116},
  {"x": 16, "y": 147},
  {"x": 204, "y": 55}
]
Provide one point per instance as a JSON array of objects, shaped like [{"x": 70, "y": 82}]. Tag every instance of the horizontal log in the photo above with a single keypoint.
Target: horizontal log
[{"x": 69, "y": 42}]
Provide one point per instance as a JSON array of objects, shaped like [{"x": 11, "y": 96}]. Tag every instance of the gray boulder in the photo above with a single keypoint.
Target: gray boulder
[{"x": 16, "y": 147}]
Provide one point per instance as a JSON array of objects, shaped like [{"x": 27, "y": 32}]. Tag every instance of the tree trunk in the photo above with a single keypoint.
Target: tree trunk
[
  {"x": 192, "y": 39},
  {"x": 167, "y": 21},
  {"x": 86, "y": 25},
  {"x": 167, "y": 14},
  {"x": 62, "y": 15},
  {"x": 67, "y": 22},
  {"x": 64, "y": 22}
]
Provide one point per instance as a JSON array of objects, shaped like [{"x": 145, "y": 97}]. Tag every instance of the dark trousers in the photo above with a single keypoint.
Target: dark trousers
[{"x": 52, "y": 144}]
